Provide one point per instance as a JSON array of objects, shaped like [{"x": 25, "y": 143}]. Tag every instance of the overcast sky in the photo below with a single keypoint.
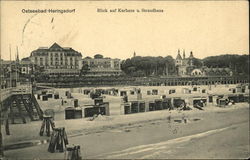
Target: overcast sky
[{"x": 207, "y": 28}]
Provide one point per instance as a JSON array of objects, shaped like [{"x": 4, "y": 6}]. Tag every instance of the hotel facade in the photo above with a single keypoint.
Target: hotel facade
[
  {"x": 57, "y": 60},
  {"x": 99, "y": 66}
]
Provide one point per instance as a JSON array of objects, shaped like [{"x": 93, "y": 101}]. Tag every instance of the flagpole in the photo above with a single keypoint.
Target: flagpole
[
  {"x": 16, "y": 64},
  {"x": 10, "y": 67},
  {"x": 1, "y": 137}
]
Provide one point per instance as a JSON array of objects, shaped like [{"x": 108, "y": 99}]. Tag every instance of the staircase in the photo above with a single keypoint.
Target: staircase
[{"x": 24, "y": 106}]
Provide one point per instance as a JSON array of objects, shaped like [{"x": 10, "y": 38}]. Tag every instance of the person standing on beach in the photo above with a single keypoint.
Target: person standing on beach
[{"x": 62, "y": 101}]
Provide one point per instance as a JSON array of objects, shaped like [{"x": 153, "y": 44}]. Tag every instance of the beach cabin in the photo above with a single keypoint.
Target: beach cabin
[
  {"x": 73, "y": 113},
  {"x": 75, "y": 103},
  {"x": 152, "y": 106},
  {"x": 133, "y": 107},
  {"x": 56, "y": 95},
  {"x": 125, "y": 108},
  {"x": 234, "y": 98},
  {"x": 86, "y": 91},
  {"x": 123, "y": 93},
  {"x": 44, "y": 97},
  {"x": 158, "y": 104},
  {"x": 154, "y": 92},
  {"x": 106, "y": 106},
  {"x": 203, "y": 91},
  {"x": 171, "y": 91},
  {"x": 178, "y": 102},
  {"x": 222, "y": 102},
  {"x": 219, "y": 97},
  {"x": 241, "y": 98},
  {"x": 201, "y": 101},
  {"x": 210, "y": 99},
  {"x": 142, "y": 106},
  {"x": 246, "y": 97},
  {"x": 49, "y": 94},
  {"x": 166, "y": 103},
  {"x": 148, "y": 92},
  {"x": 132, "y": 92},
  {"x": 98, "y": 101},
  {"x": 232, "y": 90},
  {"x": 91, "y": 110}
]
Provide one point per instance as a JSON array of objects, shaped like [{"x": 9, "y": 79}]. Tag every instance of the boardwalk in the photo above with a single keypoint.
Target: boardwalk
[{"x": 22, "y": 89}]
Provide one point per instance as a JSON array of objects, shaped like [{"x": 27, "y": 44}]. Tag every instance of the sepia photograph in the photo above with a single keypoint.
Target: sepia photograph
[{"x": 135, "y": 79}]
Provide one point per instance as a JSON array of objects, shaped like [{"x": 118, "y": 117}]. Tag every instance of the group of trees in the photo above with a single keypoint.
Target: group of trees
[
  {"x": 239, "y": 64},
  {"x": 148, "y": 66},
  {"x": 139, "y": 66},
  {"x": 156, "y": 66}
]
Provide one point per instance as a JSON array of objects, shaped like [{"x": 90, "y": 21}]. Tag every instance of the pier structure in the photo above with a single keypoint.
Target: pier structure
[{"x": 19, "y": 103}]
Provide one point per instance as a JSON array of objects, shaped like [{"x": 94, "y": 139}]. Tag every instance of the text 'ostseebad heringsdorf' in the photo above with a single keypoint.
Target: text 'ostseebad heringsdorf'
[{"x": 48, "y": 11}]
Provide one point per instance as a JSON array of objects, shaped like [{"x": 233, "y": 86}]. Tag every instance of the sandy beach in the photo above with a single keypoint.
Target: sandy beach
[{"x": 148, "y": 135}]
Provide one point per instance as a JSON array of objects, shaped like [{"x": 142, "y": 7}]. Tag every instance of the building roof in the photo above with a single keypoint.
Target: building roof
[
  {"x": 191, "y": 55},
  {"x": 87, "y": 57},
  {"x": 217, "y": 71},
  {"x": 178, "y": 56},
  {"x": 54, "y": 48},
  {"x": 26, "y": 59}
]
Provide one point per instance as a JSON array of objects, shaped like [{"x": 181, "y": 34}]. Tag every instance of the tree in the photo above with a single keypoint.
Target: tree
[
  {"x": 147, "y": 66},
  {"x": 197, "y": 62},
  {"x": 85, "y": 68},
  {"x": 238, "y": 63}
]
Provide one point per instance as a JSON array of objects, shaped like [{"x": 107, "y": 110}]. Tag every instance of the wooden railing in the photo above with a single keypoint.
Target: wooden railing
[{"x": 22, "y": 89}]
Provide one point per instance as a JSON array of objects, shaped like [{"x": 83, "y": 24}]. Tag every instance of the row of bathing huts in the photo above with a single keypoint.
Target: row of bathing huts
[{"x": 145, "y": 99}]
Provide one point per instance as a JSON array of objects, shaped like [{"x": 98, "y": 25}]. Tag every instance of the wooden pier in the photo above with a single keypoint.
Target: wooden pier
[{"x": 19, "y": 104}]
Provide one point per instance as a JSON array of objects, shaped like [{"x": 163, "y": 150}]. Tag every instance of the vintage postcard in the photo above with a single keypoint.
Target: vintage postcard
[{"x": 124, "y": 79}]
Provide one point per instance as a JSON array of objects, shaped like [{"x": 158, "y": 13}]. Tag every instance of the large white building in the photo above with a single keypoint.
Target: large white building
[
  {"x": 57, "y": 60},
  {"x": 99, "y": 66}
]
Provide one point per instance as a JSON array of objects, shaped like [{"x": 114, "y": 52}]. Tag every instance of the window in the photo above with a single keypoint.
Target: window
[{"x": 41, "y": 63}]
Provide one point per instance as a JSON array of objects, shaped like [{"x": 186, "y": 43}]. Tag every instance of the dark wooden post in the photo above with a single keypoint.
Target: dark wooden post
[
  {"x": 58, "y": 140},
  {"x": 47, "y": 122},
  {"x": 7, "y": 129},
  {"x": 73, "y": 153},
  {"x": 20, "y": 110}
]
